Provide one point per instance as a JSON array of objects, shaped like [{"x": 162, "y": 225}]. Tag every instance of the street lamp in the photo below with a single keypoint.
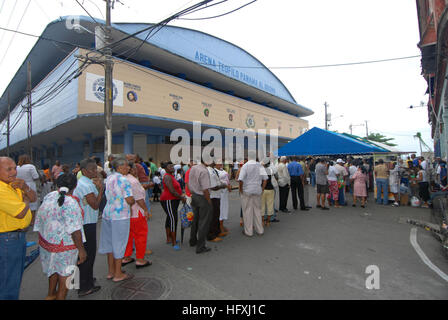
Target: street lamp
[{"x": 329, "y": 118}]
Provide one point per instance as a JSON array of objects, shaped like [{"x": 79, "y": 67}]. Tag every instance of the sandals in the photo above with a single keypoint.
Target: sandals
[
  {"x": 110, "y": 278},
  {"x": 147, "y": 264},
  {"x": 128, "y": 262}
]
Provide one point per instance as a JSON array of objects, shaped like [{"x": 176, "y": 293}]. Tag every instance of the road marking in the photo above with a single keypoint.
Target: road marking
[{"x": 423, "y": 256}]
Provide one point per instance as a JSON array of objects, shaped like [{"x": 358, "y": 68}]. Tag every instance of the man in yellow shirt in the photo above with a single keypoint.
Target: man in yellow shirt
[
  {"x": 382, "y": 182},
  {"x": 15, "y": 217}
]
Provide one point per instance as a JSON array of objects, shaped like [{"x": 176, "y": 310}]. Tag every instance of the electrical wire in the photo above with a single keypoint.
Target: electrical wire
[
  {"x": 317, "y": 66},
  {"x": 139, "y": 68},
  {"x": 59, "y": 86},
  {"x": 12, "y": 39},
  {"x": 91, "y": 16},
  {"x": 221, "y": 15},
  {"x": 9, "y": 19},
  {"x": 92, "y": 2},
  {"x": 52, "y": 40},
  {"x": 207, "y": 6},
  {"x": 156, "y": 27},
  {"x": 42, "y": 10},
  {"x": 3, "y": 4},
  {"x": 114, "y": 44}
]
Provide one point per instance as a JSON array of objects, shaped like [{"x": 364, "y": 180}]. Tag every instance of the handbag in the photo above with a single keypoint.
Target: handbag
[{"x": 186, "y": 216}]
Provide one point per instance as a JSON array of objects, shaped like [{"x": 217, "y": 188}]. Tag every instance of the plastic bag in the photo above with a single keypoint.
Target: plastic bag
[
  {"x": 186, "y": 216},
  {"x": 415, "y": 202}
]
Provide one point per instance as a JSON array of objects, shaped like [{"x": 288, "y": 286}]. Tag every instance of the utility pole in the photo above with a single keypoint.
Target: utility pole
[
  {"x": 108, "y": 92},
  {"x": 326, "y": 117},
  {"x": 29, "y": 111},
  {"x": 367, "y": 130}
]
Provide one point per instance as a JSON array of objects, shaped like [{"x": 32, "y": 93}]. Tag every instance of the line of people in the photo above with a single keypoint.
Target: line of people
[{"x": 66, "y": 221}]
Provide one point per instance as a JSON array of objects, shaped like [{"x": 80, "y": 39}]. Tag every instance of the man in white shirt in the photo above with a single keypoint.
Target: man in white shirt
[
  {"x": 342, "y": 172},
  {"x": 216, "y": 187},
  {"x": 284, "y": 181},
  {"x": 351, "y": 171},
  {"x": 252, "y": 181}
]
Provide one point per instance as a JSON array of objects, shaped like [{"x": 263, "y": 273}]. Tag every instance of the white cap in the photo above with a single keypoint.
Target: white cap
[{"x": 340, "y": 161}]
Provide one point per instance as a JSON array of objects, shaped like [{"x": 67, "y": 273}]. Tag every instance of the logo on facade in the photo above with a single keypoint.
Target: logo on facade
[
  {"x": 206, "y": 112},
  {"x": 99, "y": 88},
  {"x": 250, "y": 121},
  {"x": 175, "y": 106},
  {"x": 132, "y": 96},
  {"x": 95, "y": 90},
  {"x": 230, "y": 117}
]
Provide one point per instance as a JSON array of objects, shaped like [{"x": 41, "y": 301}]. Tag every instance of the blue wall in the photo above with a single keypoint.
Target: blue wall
[{"x": 61, "y": 108}]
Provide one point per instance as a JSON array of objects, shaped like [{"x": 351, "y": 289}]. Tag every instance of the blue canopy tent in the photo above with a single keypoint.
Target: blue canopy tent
[{"x": 319, "y": 142}]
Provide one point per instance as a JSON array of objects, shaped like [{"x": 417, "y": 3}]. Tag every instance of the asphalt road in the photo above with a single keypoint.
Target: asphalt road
[{"x": 307, "y": 255}]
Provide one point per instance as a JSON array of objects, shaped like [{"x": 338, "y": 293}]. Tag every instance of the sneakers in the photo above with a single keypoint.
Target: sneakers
[
  {"x": 217, "y": 239},
  {"x": 395, "y": 204}
]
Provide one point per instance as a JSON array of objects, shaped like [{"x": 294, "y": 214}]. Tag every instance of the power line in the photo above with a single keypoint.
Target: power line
[
  {"x": 12, "y": 39},
  {"x": 316, "y": 66},
  {"x": 114, "y": 44},
  {"x": 157, "y": 27},
  {"x": 91, "y": 16},
  {"x": 208, "y": 6},
  {"x": 221, "y": 15},
  {"x": 51, "y": 40},
  {"x": 139, "y": 68},
  {"x": 9, "y": 19},
  {"x": 3, "y": 4}
]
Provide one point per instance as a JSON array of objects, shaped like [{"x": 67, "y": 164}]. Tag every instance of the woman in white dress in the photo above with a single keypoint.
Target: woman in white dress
[
  {"x": 224, "y": 203},
  {"x": 28, "y": 172}
]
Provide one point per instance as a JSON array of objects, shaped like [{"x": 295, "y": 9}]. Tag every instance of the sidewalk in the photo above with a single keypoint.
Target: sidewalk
[{"x": 307, "y": 255}]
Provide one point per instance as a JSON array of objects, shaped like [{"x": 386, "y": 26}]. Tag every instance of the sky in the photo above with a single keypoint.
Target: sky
[{"x": 285, "y": 33}]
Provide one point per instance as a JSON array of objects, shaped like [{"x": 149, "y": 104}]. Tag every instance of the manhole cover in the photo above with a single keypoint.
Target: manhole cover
[{"x": 139, "y": 289}]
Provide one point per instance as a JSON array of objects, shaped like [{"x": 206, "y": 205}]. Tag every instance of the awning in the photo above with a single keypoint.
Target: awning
[{"x": 319, "y": 142}]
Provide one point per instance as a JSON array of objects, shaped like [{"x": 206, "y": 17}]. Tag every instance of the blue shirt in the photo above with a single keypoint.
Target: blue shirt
[
  {"x": 145, "y": 167},
  {"x": 84, "y": 187},
  {"x": 295, "y": 169}
]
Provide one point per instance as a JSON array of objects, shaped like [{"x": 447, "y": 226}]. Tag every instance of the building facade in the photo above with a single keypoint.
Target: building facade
[
  {"x": 433, "y": 27},
  {"x": 161, "y": 83}
]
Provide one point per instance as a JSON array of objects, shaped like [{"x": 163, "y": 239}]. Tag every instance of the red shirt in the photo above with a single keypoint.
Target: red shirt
[
  {"x": 187, "y": 178},
  {"x": 141, "y": 174},
  {"x": 166, "y": 194}
]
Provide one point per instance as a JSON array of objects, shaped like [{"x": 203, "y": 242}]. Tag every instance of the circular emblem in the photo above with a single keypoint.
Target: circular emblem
[
  {"x": 206, "y": 112},
  {"x": 250, "y": 122},
  {"x": 265, "y": 124},
  {"x": 176, "y": 106},
  {"x": 132, "y": 96},
  {"x": 230, "y": 117},
  {"x": 99, "y": 89}
]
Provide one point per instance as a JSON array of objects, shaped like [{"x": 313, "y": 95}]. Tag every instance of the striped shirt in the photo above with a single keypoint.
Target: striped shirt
[{"x": 84, "y": 187}]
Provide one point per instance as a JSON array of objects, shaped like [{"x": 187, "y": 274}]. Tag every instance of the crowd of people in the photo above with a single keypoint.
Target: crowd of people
[{"x": 63, "y": 206}]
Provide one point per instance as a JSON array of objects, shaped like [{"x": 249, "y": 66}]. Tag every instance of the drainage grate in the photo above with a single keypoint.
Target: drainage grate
[{"x": 139, "y": 289}]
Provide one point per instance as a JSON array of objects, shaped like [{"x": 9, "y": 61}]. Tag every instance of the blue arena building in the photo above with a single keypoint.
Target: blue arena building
[{"x": 162, "y": 81}]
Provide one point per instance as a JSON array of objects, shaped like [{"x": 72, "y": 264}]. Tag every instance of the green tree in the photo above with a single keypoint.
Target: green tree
[{"x": 381, "y": 138}]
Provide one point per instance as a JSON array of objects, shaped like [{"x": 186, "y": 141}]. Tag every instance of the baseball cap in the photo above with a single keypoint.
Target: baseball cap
[{"x": 340, "y": 161}]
